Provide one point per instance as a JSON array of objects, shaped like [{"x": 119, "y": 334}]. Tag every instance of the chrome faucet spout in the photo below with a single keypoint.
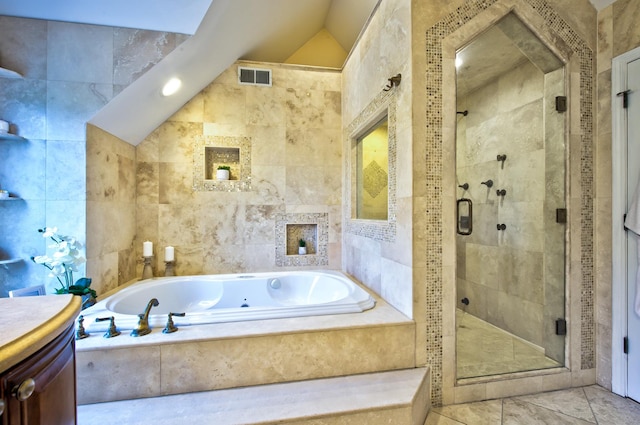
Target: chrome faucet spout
[{"x": 143, "y": 324}]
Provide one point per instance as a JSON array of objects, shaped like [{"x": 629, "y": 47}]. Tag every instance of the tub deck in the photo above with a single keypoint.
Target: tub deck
[{"x": 236, "y": 354}]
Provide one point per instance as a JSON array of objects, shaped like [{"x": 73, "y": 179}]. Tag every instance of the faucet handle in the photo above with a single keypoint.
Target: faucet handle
[
  {"x": 81, "y": 333},
  {"x": 170, "y": 328},
  {"x": 112, "y": 331}
]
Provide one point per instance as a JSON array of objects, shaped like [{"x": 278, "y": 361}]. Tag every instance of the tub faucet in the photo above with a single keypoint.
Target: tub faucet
[{"x": 143, "y": 324}]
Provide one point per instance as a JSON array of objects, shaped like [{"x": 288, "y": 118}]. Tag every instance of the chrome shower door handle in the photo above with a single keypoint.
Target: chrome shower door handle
[{"x": 464, "y": 216}]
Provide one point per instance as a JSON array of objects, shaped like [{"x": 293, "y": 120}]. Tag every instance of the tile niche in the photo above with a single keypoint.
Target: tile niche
[
  {"x": 214, "y": 151},
  {"x": 313, "y": 228}
]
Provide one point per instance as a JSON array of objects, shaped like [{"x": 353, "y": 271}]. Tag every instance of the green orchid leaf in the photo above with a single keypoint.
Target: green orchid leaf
[{"x": 84, "y": 282}]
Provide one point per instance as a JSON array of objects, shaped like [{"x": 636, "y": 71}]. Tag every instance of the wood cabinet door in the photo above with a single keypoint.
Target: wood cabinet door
[{"x": 48, "y": 379}]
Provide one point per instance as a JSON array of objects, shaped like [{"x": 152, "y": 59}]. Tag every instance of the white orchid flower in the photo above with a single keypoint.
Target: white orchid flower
[
  {"x": 49, "y": 232},
  {"x": 41, "y": 259}
]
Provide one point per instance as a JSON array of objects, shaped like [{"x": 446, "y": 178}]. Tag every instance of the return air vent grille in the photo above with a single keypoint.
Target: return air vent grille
[{"x": 254, "y": 76}]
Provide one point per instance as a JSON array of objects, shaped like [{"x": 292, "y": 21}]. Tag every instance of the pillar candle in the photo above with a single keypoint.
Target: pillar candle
[
  {"x": 168, "y": 253},
  {"x": 147, "y": 249}
]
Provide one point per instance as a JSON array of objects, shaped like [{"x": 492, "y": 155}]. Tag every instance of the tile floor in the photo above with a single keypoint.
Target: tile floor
[
  {"x": 485, "y": 350},
  {"x": 586, "y": 405}
]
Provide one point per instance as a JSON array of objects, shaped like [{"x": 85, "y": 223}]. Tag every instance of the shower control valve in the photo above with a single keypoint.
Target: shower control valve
[
  {"x": 501, "y": 192},
  {"x": 488, "y": 183},
  {"x": 502, "y": 226}
]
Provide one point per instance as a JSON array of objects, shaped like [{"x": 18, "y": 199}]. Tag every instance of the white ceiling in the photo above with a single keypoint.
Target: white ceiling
[{"x": 182, "y": 16}]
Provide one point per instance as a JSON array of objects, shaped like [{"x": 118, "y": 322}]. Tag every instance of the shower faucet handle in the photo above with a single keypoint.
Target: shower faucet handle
[
  {"x": 502, "y": 226},
  {"x": 501, "y": 192},
  {"x": 488, "y": 183},
  {"x": 464, "y": 186}
]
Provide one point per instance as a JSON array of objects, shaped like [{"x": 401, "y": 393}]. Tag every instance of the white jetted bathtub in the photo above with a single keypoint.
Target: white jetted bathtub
[{"x": 232, "y": 298}]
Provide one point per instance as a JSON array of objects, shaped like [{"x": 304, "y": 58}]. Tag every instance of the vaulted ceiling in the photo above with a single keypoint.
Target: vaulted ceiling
[{"x": 223, "y": 31}]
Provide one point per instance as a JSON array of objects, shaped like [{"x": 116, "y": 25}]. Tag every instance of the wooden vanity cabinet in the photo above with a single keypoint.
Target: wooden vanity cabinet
[{"x": 41, "y": 390}]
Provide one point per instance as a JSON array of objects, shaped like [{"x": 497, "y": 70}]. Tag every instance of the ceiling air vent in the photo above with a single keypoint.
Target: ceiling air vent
[{"x": 254, "y": 76}]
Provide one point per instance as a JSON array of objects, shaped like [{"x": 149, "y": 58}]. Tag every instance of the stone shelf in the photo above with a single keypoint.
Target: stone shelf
[
  {"x": 7, "y": 73},
  {"x": 13, "y": 137}
]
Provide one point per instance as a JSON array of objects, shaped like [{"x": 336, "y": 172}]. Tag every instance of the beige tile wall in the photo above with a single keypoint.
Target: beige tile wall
[
  {"x": 617, "y": 33},
  {"x": 294, "y": 130}
]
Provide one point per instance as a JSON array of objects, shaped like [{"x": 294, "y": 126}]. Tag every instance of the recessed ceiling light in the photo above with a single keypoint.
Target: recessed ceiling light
[{"x": 172, "y": 86}]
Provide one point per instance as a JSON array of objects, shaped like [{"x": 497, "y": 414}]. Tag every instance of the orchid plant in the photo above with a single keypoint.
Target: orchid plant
[{"x": 64, "y": 261}]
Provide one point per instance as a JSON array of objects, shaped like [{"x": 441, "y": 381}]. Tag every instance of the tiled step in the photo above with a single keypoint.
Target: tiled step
[{"x": 392, "y": 398}]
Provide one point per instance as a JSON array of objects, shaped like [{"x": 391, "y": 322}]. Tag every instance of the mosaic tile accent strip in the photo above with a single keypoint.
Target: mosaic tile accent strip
[
  {"x": 239, "y": 167},
  {"x": 285, "y": 225},
  {"x": 374, "y": 229},
  {"x": 375, "y": 179},
  {"x": 434, "y": 38}
]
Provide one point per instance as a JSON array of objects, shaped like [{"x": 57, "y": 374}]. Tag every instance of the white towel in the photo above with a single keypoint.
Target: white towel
[
  {"x": 632, "y": 222},
  {"x": 637, "y": 301}
]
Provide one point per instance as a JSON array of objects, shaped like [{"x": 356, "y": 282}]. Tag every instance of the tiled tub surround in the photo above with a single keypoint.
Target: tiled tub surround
[
  {"x": 229, "y": 355},
  {"x": 293, "y": 131}
]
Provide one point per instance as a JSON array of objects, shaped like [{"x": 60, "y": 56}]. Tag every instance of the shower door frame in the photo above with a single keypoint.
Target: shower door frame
[{"x": 571, "y": 61}]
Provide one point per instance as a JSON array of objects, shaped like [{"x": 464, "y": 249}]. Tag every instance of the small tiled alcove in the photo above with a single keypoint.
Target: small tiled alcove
[
  {"x": 313, "y": 228},
  {"x": 306, "y": 232},
  {"x": 217, "y": 156},
  {"x": 211, "y": 152}
]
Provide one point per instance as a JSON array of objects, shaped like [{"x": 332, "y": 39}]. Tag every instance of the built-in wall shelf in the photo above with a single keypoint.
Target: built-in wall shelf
[
  {"x": 7, "y": 73},
  {"x": 10, "y": 261},
  {"x": 11, "y": 137}
]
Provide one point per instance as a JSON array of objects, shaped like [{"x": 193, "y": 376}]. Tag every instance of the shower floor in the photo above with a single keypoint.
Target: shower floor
[{"x": 483, "y": 350}]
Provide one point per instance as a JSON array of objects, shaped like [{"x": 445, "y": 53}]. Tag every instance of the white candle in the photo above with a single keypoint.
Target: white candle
[
  {"x": 147, "y": 249},
  {"x": 168, "y": 253}
]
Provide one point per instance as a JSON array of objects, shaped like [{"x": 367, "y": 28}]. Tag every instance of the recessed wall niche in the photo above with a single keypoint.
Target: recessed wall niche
[
  {"x": 313, "y": 228},
  {"x": 215, "y": 157},
  {"x": 306, "y": 232},
  {"x": 213, "y": 151}
]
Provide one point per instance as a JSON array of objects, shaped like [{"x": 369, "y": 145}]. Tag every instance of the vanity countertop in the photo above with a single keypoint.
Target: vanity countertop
[{"x": 27, "y": 324}]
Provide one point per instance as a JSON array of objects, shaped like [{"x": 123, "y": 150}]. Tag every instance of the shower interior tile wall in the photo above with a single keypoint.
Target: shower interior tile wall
[{"x": 502, "y": 273}]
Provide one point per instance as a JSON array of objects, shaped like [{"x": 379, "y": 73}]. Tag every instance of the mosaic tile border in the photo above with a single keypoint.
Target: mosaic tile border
[
  {"x": 374, "y": 229},
  {"x": 200, "y": 184},
  {"x": 321, "y": 258},
  {"x": 434, "y": 129}
]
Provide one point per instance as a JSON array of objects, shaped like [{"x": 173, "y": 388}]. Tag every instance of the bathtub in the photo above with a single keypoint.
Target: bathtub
[{"x": 231, "y": 298}]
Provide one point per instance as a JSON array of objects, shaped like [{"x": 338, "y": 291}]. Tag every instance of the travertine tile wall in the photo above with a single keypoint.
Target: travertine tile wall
[
  {"x": 617, "y": 33},
  {"x": 434, "y": 201},
  {"x": 382, "y": 52},
  {"x": 70, "y": 71},
  {"x": 111, "y": 209},
  {"x": 294, "y": 129}
]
